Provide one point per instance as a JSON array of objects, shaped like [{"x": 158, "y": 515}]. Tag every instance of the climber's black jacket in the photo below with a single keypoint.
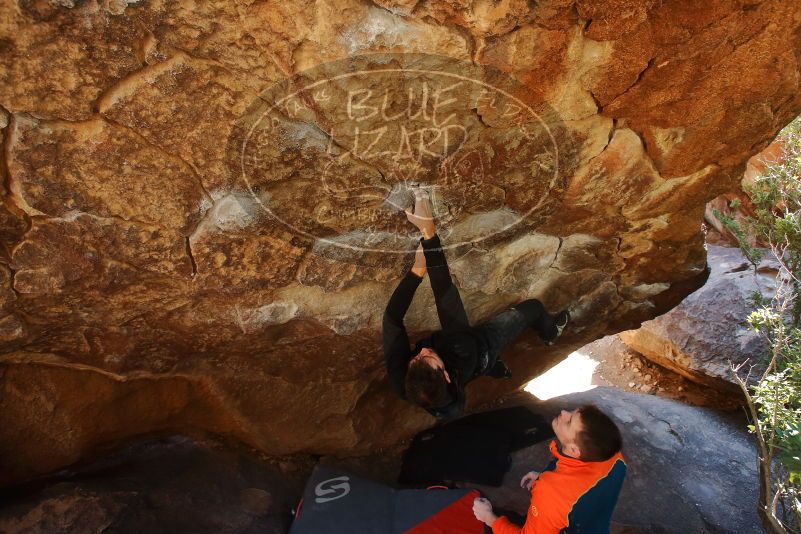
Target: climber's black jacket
[{"x": 462, "y": 350}]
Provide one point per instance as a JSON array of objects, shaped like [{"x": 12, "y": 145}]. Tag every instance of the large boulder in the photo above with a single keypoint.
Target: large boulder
[
  {"x": 173, "y": 484},
  {"x": 707, "y": 333},
  {"x": 202, "y": 218}
]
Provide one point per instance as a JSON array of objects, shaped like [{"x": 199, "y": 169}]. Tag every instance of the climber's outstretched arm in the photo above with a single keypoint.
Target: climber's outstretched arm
[
  {"x": 397, "y": 352},
  {"x": 450, "y": 309}
]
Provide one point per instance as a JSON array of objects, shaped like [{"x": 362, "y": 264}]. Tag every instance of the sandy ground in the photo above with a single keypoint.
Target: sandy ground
[{"x": 626, "y": 369}]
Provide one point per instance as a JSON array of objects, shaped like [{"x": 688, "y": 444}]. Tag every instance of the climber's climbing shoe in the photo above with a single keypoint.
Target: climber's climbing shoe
[{"x": 561, "y": 320}]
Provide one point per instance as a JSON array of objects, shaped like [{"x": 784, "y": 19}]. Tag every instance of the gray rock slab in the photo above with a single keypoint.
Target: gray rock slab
[{"x": 699, "y": 337}]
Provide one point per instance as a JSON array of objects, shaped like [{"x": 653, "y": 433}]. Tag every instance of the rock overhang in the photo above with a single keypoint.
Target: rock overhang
[{"x": 140, "y": 262}]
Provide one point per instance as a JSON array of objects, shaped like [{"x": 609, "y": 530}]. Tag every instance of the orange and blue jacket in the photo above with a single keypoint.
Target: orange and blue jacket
[{"x": 571, "y": 496}]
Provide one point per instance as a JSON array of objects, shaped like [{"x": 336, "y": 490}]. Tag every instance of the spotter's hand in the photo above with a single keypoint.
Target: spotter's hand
[
  {"x": 528, "y": 479},
  {"x": 482, "y": 509}
]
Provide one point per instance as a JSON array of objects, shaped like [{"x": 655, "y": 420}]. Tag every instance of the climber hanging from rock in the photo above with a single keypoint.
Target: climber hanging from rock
[{"x": 434, "y": 374}]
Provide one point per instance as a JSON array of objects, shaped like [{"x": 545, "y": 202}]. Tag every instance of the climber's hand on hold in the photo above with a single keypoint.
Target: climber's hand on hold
[{"x": 422, "y": 217}]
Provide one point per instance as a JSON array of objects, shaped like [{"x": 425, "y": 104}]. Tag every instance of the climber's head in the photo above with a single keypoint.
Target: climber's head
[
  {"x": 587, "y": 433},
  {"x": 427, "y": 380}
]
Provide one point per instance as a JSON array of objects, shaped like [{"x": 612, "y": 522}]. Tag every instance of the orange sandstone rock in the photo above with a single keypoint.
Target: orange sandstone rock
[{"x": 202, "y": 202}]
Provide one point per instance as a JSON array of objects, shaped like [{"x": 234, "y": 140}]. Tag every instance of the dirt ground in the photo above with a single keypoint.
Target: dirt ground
[{"x": 623, "y": 368}]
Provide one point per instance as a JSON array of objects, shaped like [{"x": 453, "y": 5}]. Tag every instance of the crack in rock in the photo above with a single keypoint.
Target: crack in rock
[
  {"x": 128, "y": 85},
  {"x": 13, "y": 187},
  {"x": 191, "y": 257}
]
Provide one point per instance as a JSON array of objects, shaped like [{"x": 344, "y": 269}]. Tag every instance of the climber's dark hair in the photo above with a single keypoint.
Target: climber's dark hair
[
  {"x": 599, "y": 438},
  {"x": 426, "y": 386}
]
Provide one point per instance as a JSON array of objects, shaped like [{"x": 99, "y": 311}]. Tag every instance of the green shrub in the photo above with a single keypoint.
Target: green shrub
[{"x": 774, "y": 397}]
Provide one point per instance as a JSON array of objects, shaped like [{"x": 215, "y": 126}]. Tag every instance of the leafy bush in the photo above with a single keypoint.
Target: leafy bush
[{"x": 774, "y": 397}]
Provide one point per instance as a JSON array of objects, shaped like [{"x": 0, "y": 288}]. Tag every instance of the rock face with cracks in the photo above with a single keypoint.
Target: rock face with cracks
[{"x": 202, "y": 204}]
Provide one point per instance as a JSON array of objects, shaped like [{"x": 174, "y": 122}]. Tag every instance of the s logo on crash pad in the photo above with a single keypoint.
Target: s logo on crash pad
[{"x": 331, "y": 489}]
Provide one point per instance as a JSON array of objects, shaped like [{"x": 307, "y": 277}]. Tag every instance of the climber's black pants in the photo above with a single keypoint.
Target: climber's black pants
[{"x": 503, "y": 329}]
